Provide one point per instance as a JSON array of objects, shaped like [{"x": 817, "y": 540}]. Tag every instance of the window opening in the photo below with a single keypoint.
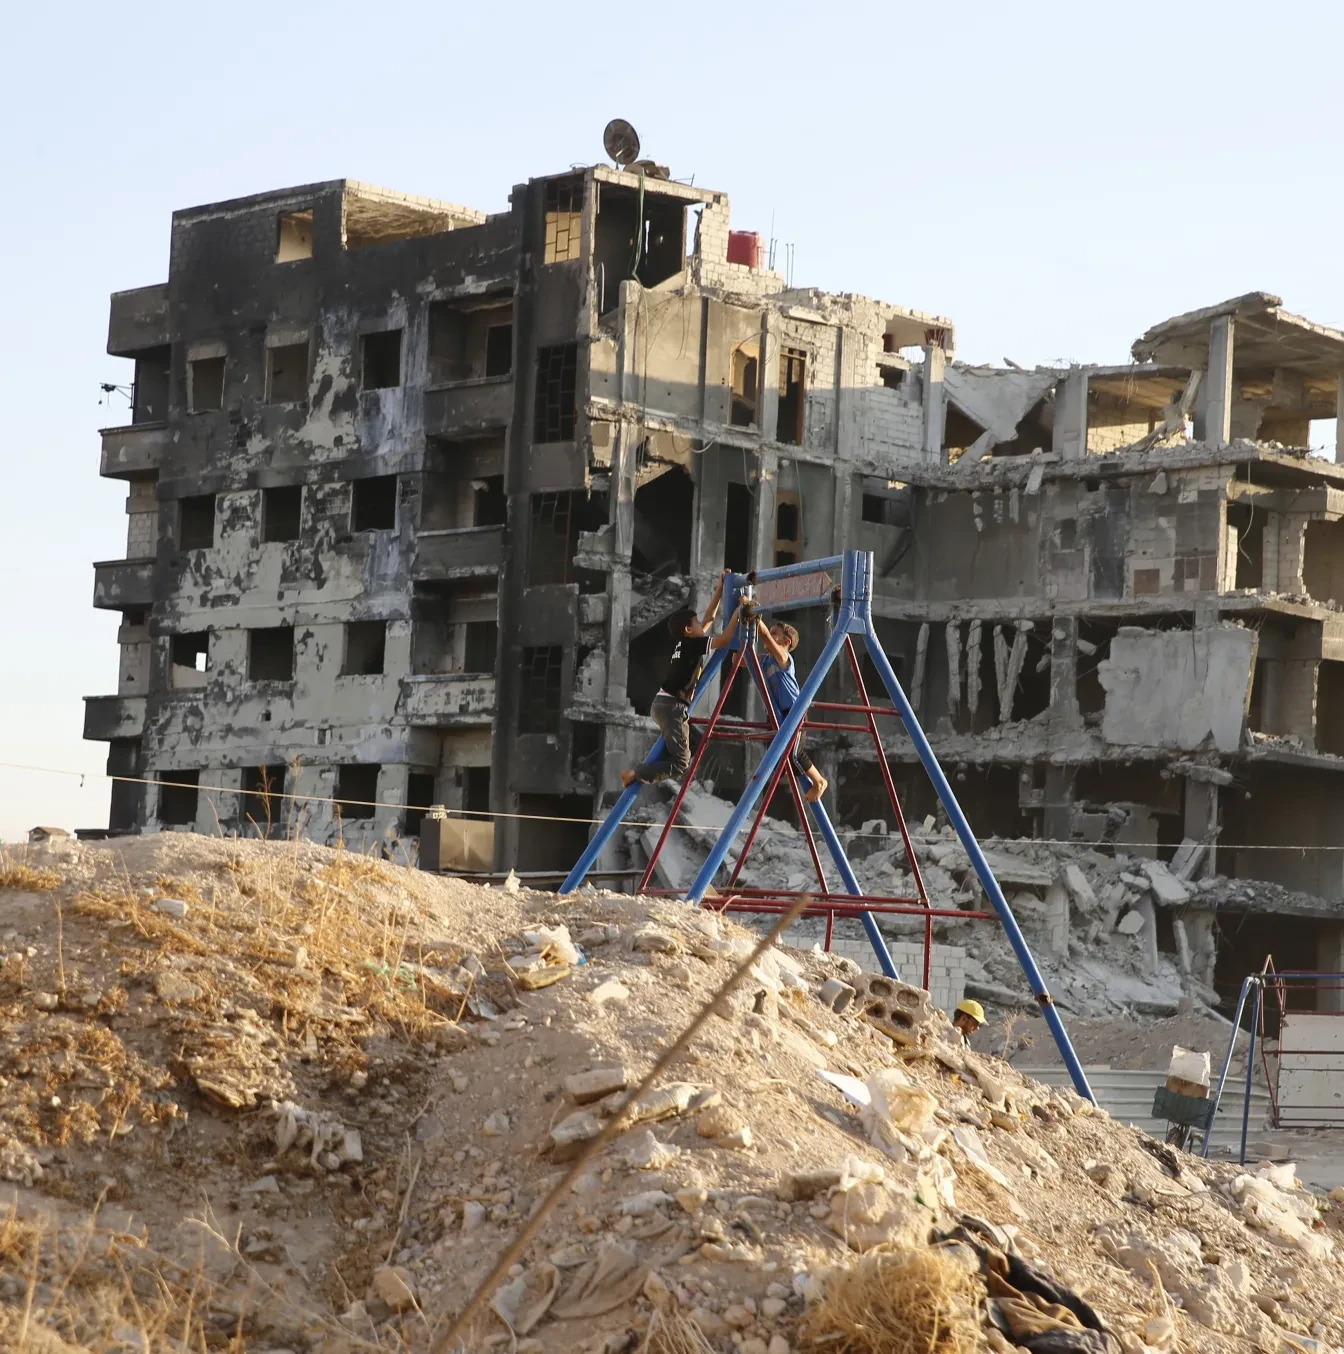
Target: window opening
[
  {"x": 380, "y": 360},
  {"x": 295, "y": 236},
  {"x": 263, "y": 797},
  {"x": 737, "y": 535},
  {"x": 539, "y": 690},
  {"x": 196, "y": 522},
  {"x": 189, "y": 657},
  {"x": 557, "y": 373},
  {"x": 150, "y": 402},
  {"x": 287, "y": 374},
  {"x": 179, "y": 794},
  {"x": 476, "y": 789},
  {"x": 270, "y": 654},
  {"x": 490, "y": 505},
  {"x": 482, "y": 644},
  {"x": 205, "y": 384},
  {"x": 373, "y": 504},
  {"x": 564, "y": 220},
  {"x": 499, "y": 349},
  {"x": 745, "y": 383},
  {"x": 281, "y": 513},
  {"x": 468, "y": 342},
  {"x": 365, "y": 648},
  {"x": 419, "y": 796},
  {"x": 357, "y": 789},
  {"x": 792, "y": 388}
]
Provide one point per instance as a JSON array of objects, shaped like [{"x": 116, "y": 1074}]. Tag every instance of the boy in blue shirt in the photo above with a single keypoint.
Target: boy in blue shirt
[{"x": 777, "y": 665}]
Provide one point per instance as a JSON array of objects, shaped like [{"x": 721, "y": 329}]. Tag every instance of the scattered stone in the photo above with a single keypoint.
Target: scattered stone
[
  {"x": 46, "y": 1001},
  {"x": 169, "y": 907},
  {"x": 473, "y": 1215},
  {"x": 268, "y": 1184},
  {"x": 718, "y": 1121},
  {"x": 569, "y": 1135},
  {"x": 1130, "y": 924},
  {"x": 798, "y": 1186},
  {"x": 836, "y": 995},
  {"x": 585, "y": 1087},
  {"x": 651, "y": 940},
  {"x": 395, "y": 1286},
  {"x": 740, "y": 1138},
  {"x": 611, "y": 990},
  {"x": 496, "y": 1125},
  {"x": 690, "y": 1200}
]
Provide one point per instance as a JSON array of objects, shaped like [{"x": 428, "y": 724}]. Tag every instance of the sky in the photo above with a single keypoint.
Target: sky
[{"x": 1054, "y": 178}]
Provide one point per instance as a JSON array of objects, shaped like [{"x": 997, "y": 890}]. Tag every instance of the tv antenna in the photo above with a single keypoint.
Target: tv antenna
[{"x": 621, "y": 142}]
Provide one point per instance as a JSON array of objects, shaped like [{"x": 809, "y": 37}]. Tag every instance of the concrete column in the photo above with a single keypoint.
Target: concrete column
[
  {"x": 1069, "y": 438},
  {"x": 1146, "y": 908},
  {"x": 1057, "y": 918},
  {"x": 1216, "y": 391},
  {"x": 1201, "y": 931},
  {"x": 213, "y": 806},
  {"x": 1064, "y": 672},
  {"x": 1201, "y": 822},
  {"x": 935, "y": 362},
  {"x": 621, "y": 514},
  {"x": 1330, "y": 959},
  {"x": 1339, "y": 419},
  {"x": 1058, "y": 816},
  {"x": 769, "y": 409}
]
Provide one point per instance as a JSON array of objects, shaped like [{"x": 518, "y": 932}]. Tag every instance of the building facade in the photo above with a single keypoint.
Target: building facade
[{"x": 411, "y": 490}]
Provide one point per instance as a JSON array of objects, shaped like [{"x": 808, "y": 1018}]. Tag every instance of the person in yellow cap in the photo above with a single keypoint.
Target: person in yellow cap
[{"x": 968, "y": 1018}]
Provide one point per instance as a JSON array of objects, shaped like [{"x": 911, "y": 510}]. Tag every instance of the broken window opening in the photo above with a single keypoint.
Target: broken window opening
[
  {"x": 585, "y": 752},
  {"x": 490, "y": 506},
  {"x": 295, "y": 236},
  {"x": 640, "y": 236},
  {"x": 196, "y": 522},
  {"x": 664, "y": 522},
  {"x": 788, "y": 528},
  {"x": 281, "y": 513},
  {"x": 738, "y": 526},
  {"x": 886, "y": 510},
  {"x": 287, "y": 374},
  {"x": 481, "y": 646},
  {"x": 539, "y": 693},
  {"x": 892, "y": 377},
  {"x": 557, "y": 377},
  {"x": 792, "y": 393},
  {"x": 463, "y": 485},
  {"x": 270, "y": 654},
  {"x": 205, "y": 384},
  {"x": 357, "y": 789},
  {"x": 149, "y": 403},
  {"x": 373, "y": 504},
  {"x": 419, "y": 798},
  {"x": 1094, "y": 647},
  {"x": 1323, "y": 561},
  {"x": 262, "y": 804},
  {"x": 1330, "y": 708},
  {"x": 189, "y": 659},
  {"x": 564, "y": 220},
  {"x": 470, "y": 342},
  {"x": 476, "y": 789},
  {"x": 179, "y": 794},
  {"x": 365, "y": 648},
  {"x": 1246, "y": 532},
  {"x": 380, "y": 360},
  {"x": 959, "y": 432},
  {"x": 556, "y": 519},
  {"x": 745, "y": 384}
]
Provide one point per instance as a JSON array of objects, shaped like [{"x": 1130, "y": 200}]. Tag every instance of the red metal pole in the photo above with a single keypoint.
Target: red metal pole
[
  {"x": 896, "y": 809},
  {"x": 690, "y": 772}
]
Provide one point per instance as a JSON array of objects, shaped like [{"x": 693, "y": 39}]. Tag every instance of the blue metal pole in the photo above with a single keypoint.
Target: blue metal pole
[
  {"x": 1250, "y": 1067},
  {"x": 1227, "y": 1062},
  {"x": 972, "y": 847},
  {"x": 616, "y": 815},
  {"x": 852, "y": 884},
  {"x": 779, "y": 745}
]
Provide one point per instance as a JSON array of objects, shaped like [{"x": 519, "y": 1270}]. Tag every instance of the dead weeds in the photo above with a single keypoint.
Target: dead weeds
[{"x": 15, "y": 874}]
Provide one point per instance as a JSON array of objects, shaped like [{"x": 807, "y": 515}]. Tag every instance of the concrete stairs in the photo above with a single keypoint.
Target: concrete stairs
[{"x": 1127, "y": 1095}]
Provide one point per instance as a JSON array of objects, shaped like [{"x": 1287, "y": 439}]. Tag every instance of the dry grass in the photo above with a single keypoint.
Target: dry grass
[
  {"x": 898, "y": 1302},
  {"x": 14, "y": 874},
  {"x": 672, "y": 1333}
]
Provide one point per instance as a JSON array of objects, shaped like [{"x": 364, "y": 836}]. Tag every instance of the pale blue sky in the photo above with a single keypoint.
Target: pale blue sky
[{"x": 1053, "y": 177}]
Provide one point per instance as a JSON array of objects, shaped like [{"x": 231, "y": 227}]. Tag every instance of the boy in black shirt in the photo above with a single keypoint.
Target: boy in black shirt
[{"x": 671, "y": 709}]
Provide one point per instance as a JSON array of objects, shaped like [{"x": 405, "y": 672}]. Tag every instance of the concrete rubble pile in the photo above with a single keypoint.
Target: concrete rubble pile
[
  {"x": 1090, "y": 911},
  {"x": 823, "y": 1124}
]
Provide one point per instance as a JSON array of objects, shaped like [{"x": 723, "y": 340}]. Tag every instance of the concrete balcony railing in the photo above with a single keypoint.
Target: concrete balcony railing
[
  {"x": 119, "y": 584},
  {"x": 134, "y": 451},
  {"x": 467, "y": 407},
  {"x": 109, "y": 717},
  {"x": 447, "y": 700},
  {"x": 138, "y": 319},
  {"x": 468, "y": 552}
]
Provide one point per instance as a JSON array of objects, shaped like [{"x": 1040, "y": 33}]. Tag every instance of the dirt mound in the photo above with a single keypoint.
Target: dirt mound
[{"x": 275, "y": 1097}]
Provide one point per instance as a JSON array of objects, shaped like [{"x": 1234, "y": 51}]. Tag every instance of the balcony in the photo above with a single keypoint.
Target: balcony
[
  {"x": 138, "y": 320},
  {"x": 109, "y": 717},
  {"x": 133, "y": 452},
  {"x": 119, "y": 584},
  {"x": 448, "y": 700},
  {"x": 467, "y": 552},
  {"x": 468, "y": 407}
]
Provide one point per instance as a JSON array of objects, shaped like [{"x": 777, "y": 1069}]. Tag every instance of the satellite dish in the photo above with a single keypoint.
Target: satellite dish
[{"x": 621, "y": 141}]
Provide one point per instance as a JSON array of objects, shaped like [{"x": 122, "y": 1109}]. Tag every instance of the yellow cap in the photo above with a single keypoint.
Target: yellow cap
[{"x": 972, "y": 1009}]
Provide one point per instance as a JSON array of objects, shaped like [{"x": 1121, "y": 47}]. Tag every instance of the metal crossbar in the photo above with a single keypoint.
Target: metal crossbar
[{"x": 843, "y": 585}]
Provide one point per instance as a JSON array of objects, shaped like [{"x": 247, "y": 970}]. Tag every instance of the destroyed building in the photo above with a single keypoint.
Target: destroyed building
[{"x": 411, "y": 490}]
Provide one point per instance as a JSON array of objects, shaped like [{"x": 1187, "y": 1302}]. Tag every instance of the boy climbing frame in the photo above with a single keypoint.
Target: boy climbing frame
[{"x": 811, "y": 583}]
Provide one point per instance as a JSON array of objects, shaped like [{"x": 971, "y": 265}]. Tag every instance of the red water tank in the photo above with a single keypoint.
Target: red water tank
[{"x": 744, "y": 246}]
